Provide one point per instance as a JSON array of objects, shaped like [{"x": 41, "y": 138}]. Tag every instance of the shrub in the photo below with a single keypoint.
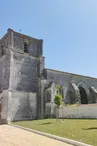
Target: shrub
[{"x": 58, "y": 99}]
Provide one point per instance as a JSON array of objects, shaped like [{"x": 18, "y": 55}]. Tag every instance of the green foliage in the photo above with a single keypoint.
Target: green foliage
[
  {"x": 58, "y": 100},
  {"x": 58, "y": 89},
  {"x": 58, "y": 97},
  {"x": 75, "y": 105}
]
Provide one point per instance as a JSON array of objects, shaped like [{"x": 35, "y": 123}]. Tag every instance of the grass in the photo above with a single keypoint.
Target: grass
[{"x": 76, "y": 129}]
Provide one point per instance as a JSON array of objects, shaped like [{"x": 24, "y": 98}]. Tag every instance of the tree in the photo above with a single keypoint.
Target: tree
[{"x": 58, "y": 100}]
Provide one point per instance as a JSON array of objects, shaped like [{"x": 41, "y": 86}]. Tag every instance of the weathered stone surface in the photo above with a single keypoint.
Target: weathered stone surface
[
  {"x": 23, "y": 73},
  {"x": 87, "y": 111},
  {"x": 21, "y": 106},
  {"x": 19, "y": 73},
  {"x": 4, "y": 72},
  {"x": 34, "y": 45},
  {"x": 43, "y": 105},
  {"x": 64, "y": 79},
  {"x": 73, "y": 94},
  {"x": 93, "y": 94},
  {"x": 4, "y": 103},
  {"x": 30, "y": 87}
]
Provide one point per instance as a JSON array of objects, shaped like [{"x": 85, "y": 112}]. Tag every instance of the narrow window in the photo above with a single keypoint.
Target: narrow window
[
  {"x": 25, "y": 47},
  {"x": 2, "y": 51}
]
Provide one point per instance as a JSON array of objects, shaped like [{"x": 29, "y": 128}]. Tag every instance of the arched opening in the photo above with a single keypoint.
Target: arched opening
[
  {"x": 93, "y": 93},
  {"x": 25, "y": 47},
  {"x": 83, "y": 94}
]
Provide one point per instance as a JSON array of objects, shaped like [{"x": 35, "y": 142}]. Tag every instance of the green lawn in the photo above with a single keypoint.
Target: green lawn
[{"x": 80, "y": 130}]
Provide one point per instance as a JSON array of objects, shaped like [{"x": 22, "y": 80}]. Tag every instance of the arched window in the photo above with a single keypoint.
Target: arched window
[
  {"x": 83, "y": 94},
  {"x": 25, "y": 47}
]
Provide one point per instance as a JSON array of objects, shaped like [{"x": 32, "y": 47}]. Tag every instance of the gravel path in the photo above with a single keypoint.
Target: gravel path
[{"x": 11, "y": 136}]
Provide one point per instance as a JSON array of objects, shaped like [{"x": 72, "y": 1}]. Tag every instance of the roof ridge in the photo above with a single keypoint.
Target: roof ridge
[{"x": 71, "y": 73}]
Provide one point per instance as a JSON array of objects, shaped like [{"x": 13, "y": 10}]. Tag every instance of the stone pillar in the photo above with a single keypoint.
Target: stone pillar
[
  {"x": 43, "y": 84},
  {"x": 10, "y": 38},
  {"x": 39, "y": 48},
  {"x": 40, "y": 67}
]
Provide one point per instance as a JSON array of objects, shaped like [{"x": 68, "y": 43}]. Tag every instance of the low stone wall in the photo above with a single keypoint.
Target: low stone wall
[
  {"x": 81, "y": 111},
  {"x": 78, "y": 111}
]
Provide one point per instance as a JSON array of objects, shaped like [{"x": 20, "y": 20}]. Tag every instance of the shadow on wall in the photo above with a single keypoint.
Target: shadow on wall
[
  {"x": 76, "y": 94},
  {"x": 83, "y": 94},
  {"x": 93, "y": 93},
  {"x": 73, "y": 94},
  {"x": 23, "y": 110},
  {"x": 80, "y": 94},
  {"x": 24, "y": 80}
]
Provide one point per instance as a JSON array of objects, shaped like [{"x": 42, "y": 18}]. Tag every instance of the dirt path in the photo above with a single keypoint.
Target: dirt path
[{"x": 11, "y": 136}]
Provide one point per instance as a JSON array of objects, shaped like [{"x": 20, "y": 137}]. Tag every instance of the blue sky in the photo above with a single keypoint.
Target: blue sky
[{"x": 68, "y": 28}]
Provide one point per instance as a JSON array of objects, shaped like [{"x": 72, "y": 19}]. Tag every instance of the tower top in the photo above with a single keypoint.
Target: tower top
[
  {"x": 22, "y": 43},
  {"x": 23, "y": 35}
]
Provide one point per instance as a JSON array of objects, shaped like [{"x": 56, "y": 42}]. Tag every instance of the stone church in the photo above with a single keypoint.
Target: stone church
[{"x": 26, "y": 85}]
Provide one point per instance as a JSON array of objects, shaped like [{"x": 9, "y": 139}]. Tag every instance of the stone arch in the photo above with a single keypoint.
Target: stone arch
[
  {"x": 93, "y": 93},
  {"x": 84, "y": 93},
  {"x": 48, "y": 92},
  {"x": 77, "y": 93},
  {"x": 73, "y": 94}
]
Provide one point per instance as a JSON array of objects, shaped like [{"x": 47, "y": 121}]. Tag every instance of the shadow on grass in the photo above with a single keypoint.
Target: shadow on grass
[
  {"x": 46, "y": 123},
  {"x": 90, "y": 128}
]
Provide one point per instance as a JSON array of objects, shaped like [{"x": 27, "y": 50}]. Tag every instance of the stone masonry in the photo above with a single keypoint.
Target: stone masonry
[{"x": 26, "y": 85}]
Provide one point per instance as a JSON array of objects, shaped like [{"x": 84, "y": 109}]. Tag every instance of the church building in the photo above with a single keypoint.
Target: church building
[{"x": 26, "y": 86}]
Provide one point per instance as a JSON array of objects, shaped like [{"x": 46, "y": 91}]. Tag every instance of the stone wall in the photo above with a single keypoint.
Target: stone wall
[
  {"x": 20, "y": 72},
  {"x": 23, "y": 73},
  {"x": 4, "y": 72},
  {"x": 21, "y": 106},
  {"x": 4, "y": 45},
  {"x": 65, "y": 79},
  {"x": 81, "y": 111},
  {"x": 4, "y": 103},
  {"x": 50, "y": 110},
  {"x": 18, "y": 106},
  {"x": 4, "y": 63},
  {"x": 34, "y": 46},
  {"x": 43, "y": 101}
]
